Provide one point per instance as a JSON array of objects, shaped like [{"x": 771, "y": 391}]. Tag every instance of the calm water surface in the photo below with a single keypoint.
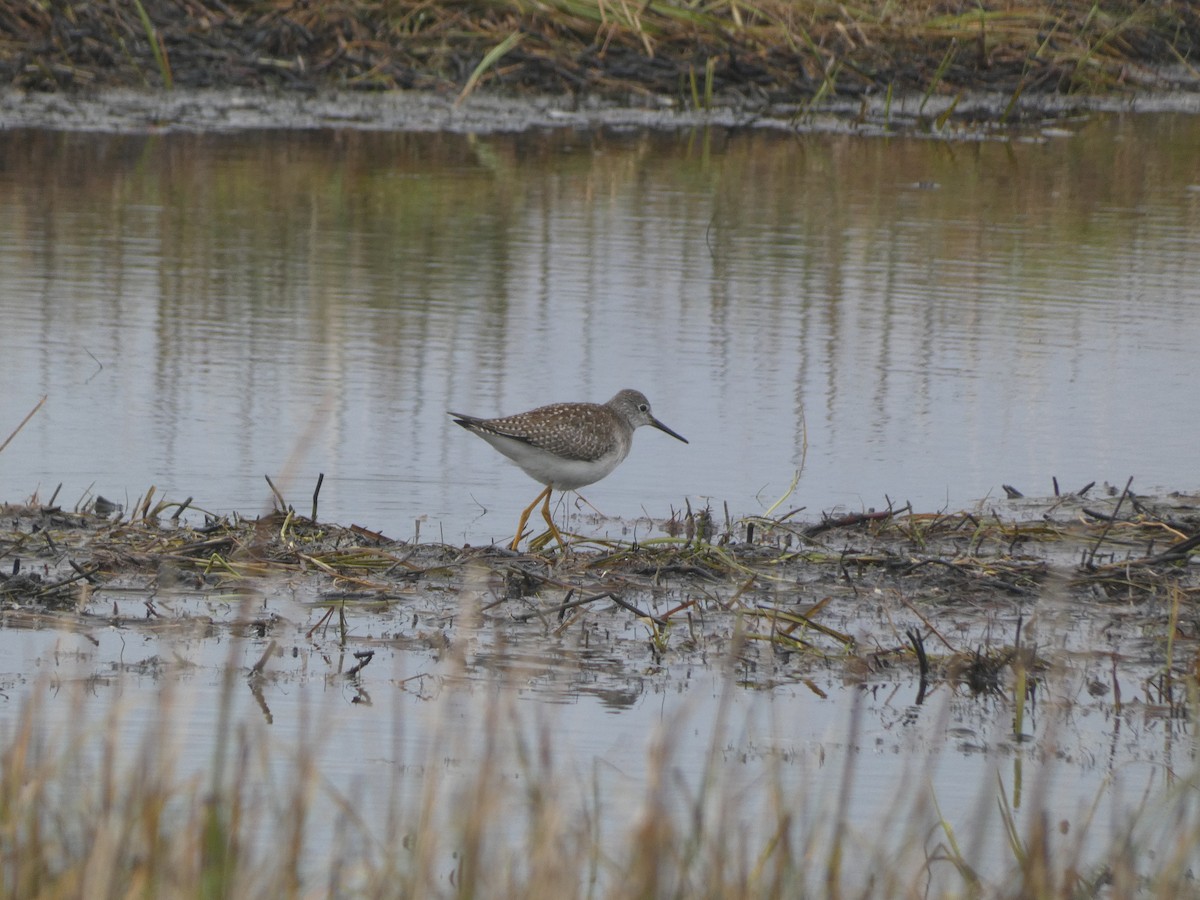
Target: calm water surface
[
  {"x": 930, "y": 320},
  {"x": 897, "y": 319}
]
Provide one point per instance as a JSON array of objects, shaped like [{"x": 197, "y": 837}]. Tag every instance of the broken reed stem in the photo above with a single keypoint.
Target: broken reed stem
[
  {"x": 364, "y": 658},
  {"x": 1172, "y": 624},
  {"x": 560, "y": 608},
  {"x": 278, "y": 496},
  {"x": 1107, "y": 525},
  {"x": 145, "y": 509},
  {"x": 28, "y": 416},
  {"x": 317, "y": 493}
]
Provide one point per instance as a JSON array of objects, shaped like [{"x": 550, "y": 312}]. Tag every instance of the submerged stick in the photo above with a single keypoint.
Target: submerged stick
[
  {"x": 616, "y": 598},
  {"x": 918, "y": 643},
  {"x": 854, "y": 519},
  {"x": 1177, "y": 552},
  {"x": 364, "y": 657},
  {"x": 257, "y": 668},
  {"x": 563, "y": 607}
]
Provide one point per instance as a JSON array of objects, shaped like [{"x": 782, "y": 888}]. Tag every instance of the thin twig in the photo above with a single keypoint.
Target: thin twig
[
  {"x": 563, "y": 607},
  {"x": 637, "y": 612},
  {"x": 23, "y": 421},
  {"x": 1107, "y": 525},
  {"x": 275, "y": 491},
  {"x": 317, "y": 493}
]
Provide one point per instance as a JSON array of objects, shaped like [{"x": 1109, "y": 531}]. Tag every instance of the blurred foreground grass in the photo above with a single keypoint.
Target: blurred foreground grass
[{"x": 88, "y": 812}]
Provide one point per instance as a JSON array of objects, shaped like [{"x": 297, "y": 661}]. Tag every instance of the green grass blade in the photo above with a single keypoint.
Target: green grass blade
[
  {"x": 489, "y": 60},
  {"x": 156, "y": 47}
]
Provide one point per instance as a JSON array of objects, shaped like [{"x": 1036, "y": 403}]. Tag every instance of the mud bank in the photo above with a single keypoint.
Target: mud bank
[
  {"x": 967, "y": 117},
  {"x": 946, "y": 596}
]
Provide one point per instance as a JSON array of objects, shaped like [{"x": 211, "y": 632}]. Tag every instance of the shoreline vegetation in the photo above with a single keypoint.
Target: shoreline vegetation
[
  {"x": 771, "y": 598},
  {"x": 769, "y": 584},
  {"x": 693, "y": 55}
]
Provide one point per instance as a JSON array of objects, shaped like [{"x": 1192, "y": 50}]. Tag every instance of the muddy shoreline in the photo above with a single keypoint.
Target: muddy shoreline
[
  {"x": 969, "y": 117},
  {"x": 954, "y": 597}
]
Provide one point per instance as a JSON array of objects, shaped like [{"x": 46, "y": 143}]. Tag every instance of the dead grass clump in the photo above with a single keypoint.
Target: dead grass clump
[{"x": 797, "y": 592}]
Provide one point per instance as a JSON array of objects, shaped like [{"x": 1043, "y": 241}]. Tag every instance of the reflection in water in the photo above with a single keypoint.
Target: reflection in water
[{"x": 905, "y": 318}]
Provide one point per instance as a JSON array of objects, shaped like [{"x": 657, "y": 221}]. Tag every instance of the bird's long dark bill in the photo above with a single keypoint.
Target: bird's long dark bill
[{"x": 661, "y": 427}]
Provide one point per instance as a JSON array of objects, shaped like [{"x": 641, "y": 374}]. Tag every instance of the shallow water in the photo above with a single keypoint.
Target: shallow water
[
  {"x": 427, "y": 711},
  {"x": 897, "y": 318}
]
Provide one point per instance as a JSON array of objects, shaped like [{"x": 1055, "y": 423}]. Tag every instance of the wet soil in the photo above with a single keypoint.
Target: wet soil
[
  {"x": 973, "y": 599},
  {"x": 966, "y": 117}
]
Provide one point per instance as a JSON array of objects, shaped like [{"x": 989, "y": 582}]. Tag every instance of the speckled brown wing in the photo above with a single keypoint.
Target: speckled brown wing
[{"x": 568, "y": 430}]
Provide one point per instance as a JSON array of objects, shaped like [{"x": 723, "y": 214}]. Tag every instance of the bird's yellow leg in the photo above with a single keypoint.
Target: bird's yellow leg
[
  {"x": 544, "y": 495},
  {"x": 550, "y": 521}
]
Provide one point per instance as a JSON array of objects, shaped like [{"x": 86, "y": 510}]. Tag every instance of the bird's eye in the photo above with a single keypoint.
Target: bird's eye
[{"x": 644, "y": 407}]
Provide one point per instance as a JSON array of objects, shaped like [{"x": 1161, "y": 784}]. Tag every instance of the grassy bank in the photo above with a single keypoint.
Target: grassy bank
[{"x": 728, "y": 51}]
